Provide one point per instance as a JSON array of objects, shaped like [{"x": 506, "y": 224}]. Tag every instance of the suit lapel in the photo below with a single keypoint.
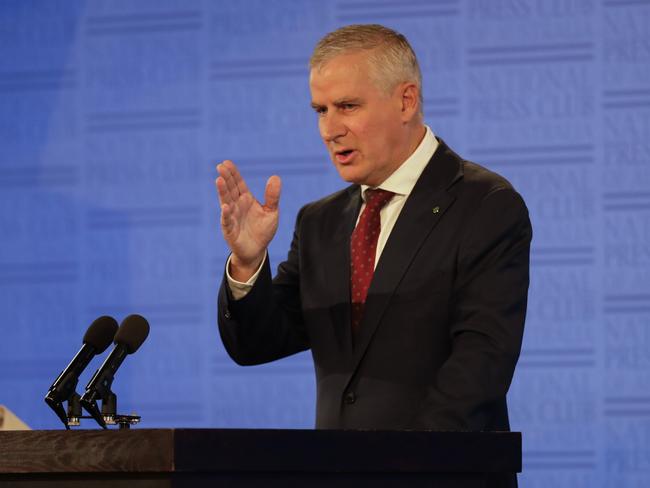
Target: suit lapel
[
  {"x": 423, "y": 209},
  {"x": 337, "y": 259}
]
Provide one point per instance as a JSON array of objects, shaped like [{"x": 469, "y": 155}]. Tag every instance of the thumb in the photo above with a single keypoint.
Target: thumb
[{"x": 272, "y": 192}]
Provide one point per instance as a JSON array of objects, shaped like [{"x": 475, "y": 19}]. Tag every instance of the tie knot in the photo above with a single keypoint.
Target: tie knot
[{"x": 377, "y": 198}]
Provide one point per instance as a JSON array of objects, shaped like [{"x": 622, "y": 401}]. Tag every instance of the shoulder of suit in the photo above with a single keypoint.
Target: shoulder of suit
[
  {"x": 480, "y": 185},
  {"x": 480, "y": 182},
  {"x": 467, "y": 178},
  {"x": 332, "y": 202}
]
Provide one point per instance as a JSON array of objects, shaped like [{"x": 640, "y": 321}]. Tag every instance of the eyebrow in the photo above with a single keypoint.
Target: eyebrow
[
  {"x": 338, "y": 103},
  {"x": 344, "y": 101}
]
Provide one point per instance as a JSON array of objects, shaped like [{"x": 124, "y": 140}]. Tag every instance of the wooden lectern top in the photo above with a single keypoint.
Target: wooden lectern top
[{"x": 171, "y": 457}]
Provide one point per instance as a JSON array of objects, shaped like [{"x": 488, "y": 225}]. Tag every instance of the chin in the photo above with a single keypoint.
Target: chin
[{"x": 351, "y": 175}]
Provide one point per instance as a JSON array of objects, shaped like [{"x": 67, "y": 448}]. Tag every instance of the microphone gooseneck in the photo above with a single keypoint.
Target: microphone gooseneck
[
  {"x": 129, "y": 337},
  {"x": 97, "y": 338}
]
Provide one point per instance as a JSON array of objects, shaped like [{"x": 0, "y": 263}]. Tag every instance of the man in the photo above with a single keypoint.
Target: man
[{"x": 411, "y": 295}]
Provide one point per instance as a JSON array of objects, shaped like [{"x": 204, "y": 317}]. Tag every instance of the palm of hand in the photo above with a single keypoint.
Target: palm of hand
[
  {"x": 254, "y": 225},
  {"x": 247, "y": 225}
]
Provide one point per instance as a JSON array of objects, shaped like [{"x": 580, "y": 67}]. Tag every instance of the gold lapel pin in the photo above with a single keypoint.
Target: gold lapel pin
[{"x": 436, "y": 209}]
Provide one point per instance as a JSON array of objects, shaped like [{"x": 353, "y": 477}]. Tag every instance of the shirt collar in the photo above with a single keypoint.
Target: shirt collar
[{"x": 403, "y": 179}]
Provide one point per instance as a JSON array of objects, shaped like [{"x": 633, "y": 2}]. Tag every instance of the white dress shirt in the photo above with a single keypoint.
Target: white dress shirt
[{"x": 401, "y": 183}]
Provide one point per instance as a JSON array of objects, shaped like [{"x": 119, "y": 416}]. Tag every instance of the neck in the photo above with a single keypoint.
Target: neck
[
  {"x": 414, "y": 139},
  {"x": 418, "y": 134}
]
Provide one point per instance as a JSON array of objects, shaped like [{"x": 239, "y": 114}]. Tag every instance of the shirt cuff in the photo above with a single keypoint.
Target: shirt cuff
[{"x": 240, "y": 289}]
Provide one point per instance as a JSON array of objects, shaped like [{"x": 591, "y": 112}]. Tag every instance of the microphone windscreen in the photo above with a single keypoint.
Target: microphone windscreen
[
  {"x": 132, "y": 333},
  {"x": 100, "y": 333}
]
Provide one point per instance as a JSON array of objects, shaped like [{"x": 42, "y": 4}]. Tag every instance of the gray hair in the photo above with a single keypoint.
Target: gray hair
[{"x": 390, "y": 56}]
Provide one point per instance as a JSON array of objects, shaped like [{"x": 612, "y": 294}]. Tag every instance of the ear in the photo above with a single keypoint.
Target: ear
[{"x": 410, "y": 99}]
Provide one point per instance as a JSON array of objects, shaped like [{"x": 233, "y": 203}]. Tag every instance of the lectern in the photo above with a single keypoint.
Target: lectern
[{"x": 142, "y": 458}]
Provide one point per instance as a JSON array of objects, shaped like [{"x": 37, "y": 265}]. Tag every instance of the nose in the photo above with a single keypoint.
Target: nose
[{"x": 331, "y": 126}]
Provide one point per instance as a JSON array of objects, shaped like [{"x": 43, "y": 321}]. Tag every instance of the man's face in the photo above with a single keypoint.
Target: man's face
[{"x": 361, "y": 125}]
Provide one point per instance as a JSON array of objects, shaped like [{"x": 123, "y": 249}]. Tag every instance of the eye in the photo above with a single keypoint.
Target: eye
[
  {"x": 320, "y": 111},
  {"x": 348, "y": 106}
]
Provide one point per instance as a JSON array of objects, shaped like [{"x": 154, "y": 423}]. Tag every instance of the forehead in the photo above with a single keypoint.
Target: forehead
[{"x": 344, "y": 75}]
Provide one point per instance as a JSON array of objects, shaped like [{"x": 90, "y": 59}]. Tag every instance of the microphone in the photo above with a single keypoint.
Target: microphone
[
  {"x": 132, "y": 333},
  {"x": 95, "y": 341}
]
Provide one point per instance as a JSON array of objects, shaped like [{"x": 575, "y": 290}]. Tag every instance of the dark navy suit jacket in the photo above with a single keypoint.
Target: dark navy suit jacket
[{"x": 444, "y": 317}]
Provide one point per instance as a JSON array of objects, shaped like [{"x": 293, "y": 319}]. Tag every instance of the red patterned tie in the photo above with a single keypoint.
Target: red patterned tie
[{"x": 363, "y": 246}]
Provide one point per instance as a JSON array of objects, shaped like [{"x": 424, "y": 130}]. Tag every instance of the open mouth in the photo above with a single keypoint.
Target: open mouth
[{"x": 344, "y": 156}]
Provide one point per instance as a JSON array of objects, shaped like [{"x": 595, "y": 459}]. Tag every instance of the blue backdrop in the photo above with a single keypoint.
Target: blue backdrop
[{"x": 114, "y": 113}]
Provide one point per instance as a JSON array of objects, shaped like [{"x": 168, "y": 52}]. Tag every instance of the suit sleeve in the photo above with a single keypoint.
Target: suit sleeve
[
  {"x": 489, "y": 307},
  {"x": 267, "y": 323}
]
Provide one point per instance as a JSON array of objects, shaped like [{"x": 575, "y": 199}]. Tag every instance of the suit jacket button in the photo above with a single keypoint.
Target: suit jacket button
[
  {"x": 350, "y": 398},
  {"x": 227, "y": 314}
]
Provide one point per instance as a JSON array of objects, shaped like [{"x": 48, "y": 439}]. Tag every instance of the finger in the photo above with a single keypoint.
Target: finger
[
  {"x": 272, "y": 192},
  {"x": 226, "y": 170},
  {"x": 237, "y": 177},
  {"x": 223, "y": 170},
  {"x": 233, "y": 178},
  {"x": 227, "y": 220},
  {"x": 222, "y": 191}
]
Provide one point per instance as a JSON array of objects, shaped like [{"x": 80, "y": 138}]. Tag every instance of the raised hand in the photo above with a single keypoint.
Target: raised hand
[{"x": 247, "y": 225}]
